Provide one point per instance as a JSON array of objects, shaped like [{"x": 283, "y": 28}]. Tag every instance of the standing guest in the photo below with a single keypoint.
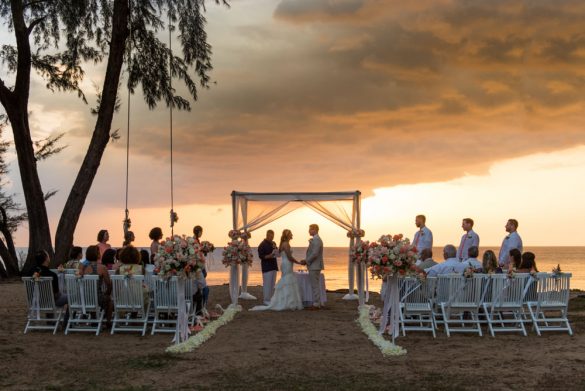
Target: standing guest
[
  {"x": 448, "y": 266},
  {"x": 267, "y": 252},
  {"x": 130, "y": 261},
  {"x": 42, "y": 262},
  {"x": 197, "y": 234},
  {"x": 109, "y": 259},
  {"x": 515, "y": 258},
  {"x": 75, "y": 256},
  {"x": 469, "y": 239},
  {"x": 512, "y": 240},
  {"x": 426, "y": 255},
  {"x": 155, "y": 235},
  {"x": 102, "y": 238},
  {"x": 528, "y": 263},
  {"x": 489, "y": 263},
  {"x": 92, "y": 255},
  {"x": 470, "y": 262},
  {"x": 144, "y": 257},
  {"x": 423, "y": 238},
  {"x": 128, "y": 238}
]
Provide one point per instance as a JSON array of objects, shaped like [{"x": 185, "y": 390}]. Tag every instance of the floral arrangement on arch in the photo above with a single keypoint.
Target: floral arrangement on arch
[
  {"x": 178, "y": 256},
  {"x": 234, "y": 234},
  {"x": 359, "y": 252},
  {"x": 356, "y": 233},
  {"x": 237, "y": 252},
  {"x": 392, "y": 255}
]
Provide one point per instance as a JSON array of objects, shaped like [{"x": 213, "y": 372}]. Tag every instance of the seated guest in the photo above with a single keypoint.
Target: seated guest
[
  {"x": 128, "y": 238},
  {"x": 102, "y": 238},
  {"x": 470, "y": 262},
  {"x": 448, "y": 266},
  {"x": 426, "y": 257},
  {"x": 75, "y": 256},
  {"x": 92, "y": 254},
  {"x": 144, "y": 257},
  {"x": 156, "y": 235},
  {"x": 42, "y": 262},
  {"x": 130, "y": 259},
  {"x": 528, "y": 263},
  {"x": 489, "y": 263},
  {"x": 109, "y": 258},
  {"x": 515, "y": 259}
]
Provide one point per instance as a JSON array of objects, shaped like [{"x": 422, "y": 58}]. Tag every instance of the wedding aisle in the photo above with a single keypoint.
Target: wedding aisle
[{"x": 283, "y": 350}]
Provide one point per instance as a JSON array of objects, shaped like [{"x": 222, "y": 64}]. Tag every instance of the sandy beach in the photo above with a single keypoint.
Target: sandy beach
[{"x": 289, "y": 350}]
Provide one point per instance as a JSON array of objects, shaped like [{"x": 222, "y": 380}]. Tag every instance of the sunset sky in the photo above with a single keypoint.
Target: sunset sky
[{"x": 451, "y": 108}]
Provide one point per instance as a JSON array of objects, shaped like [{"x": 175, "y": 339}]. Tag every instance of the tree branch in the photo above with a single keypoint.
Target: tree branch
[
  {"x": 34, "y": 23},
  {"x": 31, "y": 3},
  {"x": 5, "y": 93}
]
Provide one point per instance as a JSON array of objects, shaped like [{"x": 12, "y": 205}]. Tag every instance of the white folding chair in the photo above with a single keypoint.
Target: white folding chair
[
  {"x": 165, "y": 303},
  {"x": 85, "y": 313},
  {"x": 61, "y": 280},
  {"x": 464, "y": 298},
  {"x": 130, "y": 308},
  {"x": 503, "y": 309},
  {"x": 416, "y": 305},
  {"x": 552, "y": 297},
  {"x": 43, "y": 314},
  {"x": 441, "y": 296}
]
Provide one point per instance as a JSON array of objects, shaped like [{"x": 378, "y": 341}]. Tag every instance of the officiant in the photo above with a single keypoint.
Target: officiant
[{"x": 267, "y": 252}]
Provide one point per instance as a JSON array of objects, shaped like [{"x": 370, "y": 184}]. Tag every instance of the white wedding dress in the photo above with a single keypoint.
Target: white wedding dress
[{"x": 287, "y": 294}]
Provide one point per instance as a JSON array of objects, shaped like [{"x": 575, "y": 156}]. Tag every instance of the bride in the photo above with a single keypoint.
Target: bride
[{"x": 287, "y": 295}]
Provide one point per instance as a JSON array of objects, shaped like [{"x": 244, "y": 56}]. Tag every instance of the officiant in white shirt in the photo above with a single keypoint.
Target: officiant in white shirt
[
  {"x": 512, "y": 240},
  {"x": 423, "y": 238},
  {"x": 469, "y": 239}
]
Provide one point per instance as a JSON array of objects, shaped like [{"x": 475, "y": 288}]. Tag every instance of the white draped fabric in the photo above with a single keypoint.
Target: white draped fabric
[{"x": 252, "y": 211}]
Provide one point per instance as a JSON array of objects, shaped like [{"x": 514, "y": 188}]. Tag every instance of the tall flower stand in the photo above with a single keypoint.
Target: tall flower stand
[
  {"x": 234, "y": 283},
  {"x": 391, "y": 312},
  {"x": 245, "y": 295},
  {"x": 182, "y": 330}
]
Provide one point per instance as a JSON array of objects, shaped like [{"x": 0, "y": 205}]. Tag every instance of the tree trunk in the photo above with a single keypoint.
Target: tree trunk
[
  {"x": 101, "y": 134},
  {"x": 8, "y": 260},
  {"x": 16, "y": 106}
]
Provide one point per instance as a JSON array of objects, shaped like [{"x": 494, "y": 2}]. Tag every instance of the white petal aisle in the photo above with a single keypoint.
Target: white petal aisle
[
  {"x": 209, "y": 331},
  {"x": 386, "y": 347}
]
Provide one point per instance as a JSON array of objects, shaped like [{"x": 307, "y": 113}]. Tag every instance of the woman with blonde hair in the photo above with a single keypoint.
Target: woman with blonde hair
[{"x": 287, "y": 294}]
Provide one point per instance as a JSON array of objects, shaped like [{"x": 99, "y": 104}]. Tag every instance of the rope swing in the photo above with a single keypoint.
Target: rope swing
[
  {"x": 127, "y": 221},
  {"x": 173, "y": 215}
]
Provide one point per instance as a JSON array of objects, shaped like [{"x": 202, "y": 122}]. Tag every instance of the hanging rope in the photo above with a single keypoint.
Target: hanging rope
[
  {"x": 174, "y": 216},
  {"x": 127, "y": 222}
]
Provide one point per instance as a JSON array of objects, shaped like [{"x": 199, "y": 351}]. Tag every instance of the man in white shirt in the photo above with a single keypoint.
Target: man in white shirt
[
  {"x": 471, "y": 261},
  {"x": 512, "y": 240},
  {"x": 469, "y": 239},
  {"x": 451, "y": 261},
  {"x": 423, "y": 238}
]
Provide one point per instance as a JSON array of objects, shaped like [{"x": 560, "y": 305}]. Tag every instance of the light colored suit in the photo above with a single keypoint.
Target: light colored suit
[{"x": 314, "y": 261}]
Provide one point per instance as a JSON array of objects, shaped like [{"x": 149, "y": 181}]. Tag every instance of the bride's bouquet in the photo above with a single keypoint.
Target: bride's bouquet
[
  {"x": 207, "y": 247},
  {"x": 237, "y": 252},
  {"x": 178, "y": 256},
  {"x": 392, "y": 255}
]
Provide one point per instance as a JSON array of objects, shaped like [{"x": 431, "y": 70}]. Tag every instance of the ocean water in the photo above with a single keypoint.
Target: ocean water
[{"x": 571, "y": 260}]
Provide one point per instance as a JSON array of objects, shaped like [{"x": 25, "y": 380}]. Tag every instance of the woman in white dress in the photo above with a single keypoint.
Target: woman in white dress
[{"x": 287, "y": 295}]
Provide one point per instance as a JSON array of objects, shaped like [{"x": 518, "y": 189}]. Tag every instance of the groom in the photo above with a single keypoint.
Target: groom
[{"x": 314, "y": 262}]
